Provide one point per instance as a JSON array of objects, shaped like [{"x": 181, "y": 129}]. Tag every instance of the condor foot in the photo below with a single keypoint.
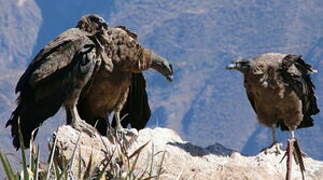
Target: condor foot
[
  {"x": 293, "y": 151},
  {"x": 124, "y": 137},
  {"x": 273, "y": 148},
  {"x": 82, "y": 126}
]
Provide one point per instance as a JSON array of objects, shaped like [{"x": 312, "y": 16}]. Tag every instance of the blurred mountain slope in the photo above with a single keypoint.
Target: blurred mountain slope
[{"x": 205, "y": 104}]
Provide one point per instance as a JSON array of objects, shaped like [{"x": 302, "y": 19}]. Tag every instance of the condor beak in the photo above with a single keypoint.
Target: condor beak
[
  {"x": 239, "y": 64},
  {"x": 161, "y": 65},
  {"x": 232, "y": 66},
  {"x": 170, "y": 77},
  {"x": 103, "y": 23}
]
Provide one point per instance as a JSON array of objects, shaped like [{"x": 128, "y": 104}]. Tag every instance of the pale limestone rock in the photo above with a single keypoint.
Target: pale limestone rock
[{"x": 184, "y": 160}]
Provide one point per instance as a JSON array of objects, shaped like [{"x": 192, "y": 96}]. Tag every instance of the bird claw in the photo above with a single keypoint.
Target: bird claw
[
  {"x": 120, "y": 134},
  {"x": 293, "y": 151},
  {"x": 273, "y": 148},
  {"x": 110, "y": 134},
  {"x": 124, "y": 137},
  {"x": 85, "y": 127}
]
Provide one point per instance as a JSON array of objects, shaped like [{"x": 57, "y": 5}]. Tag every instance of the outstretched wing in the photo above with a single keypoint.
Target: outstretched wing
[
  {"x": 45, "y": 84},
  {"x": 136, "y": 110},
  {"x": 296, "y": 74}
]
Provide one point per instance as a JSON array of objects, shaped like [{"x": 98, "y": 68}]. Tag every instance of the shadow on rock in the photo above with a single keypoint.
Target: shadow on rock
[{"x": 216, "y": 149}]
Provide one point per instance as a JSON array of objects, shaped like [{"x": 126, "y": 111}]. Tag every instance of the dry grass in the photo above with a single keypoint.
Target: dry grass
[{"x": 115, "y": 166}]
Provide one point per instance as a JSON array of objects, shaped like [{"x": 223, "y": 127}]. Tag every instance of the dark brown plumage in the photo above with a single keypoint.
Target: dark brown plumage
[
  {"x": 280, "y": 90},
  {"x": 121, "y": 91},
  {"x": 89, "y": 70},
  {"x": 56, "y": 76},
  {"x": 136, "y": 110}
]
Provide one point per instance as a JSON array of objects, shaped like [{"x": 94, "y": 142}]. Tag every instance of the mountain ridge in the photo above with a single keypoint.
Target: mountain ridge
[{"x": 205, "y": 103}]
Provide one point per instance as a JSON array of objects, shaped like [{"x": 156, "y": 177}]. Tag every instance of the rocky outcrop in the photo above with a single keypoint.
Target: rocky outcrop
[{"x": 180, "y": 159}]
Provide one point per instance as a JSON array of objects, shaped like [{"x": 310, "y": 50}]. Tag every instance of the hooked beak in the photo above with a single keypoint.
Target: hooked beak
[
  {"x": 103, "y": 23},
  {"x": 239, "y": 64},
  {"x": 232, "y": 66},
  {"x": 161, "y": 65}
]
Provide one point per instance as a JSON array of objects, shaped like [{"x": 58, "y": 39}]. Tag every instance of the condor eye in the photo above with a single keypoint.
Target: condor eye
[{"x": 244, "y": 64}]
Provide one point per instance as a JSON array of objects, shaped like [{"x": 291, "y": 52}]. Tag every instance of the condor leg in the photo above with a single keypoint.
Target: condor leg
[
  {"x": 124, "y": 136},
  {"x": 275, "y": 146},
  {"x": 293, "y": 150},
  {"x": 80, "y": 76},
  {"x": 77, "y": 123},
  {"x": 118, "y": 122},
  {"x": 117, "y": 110}
]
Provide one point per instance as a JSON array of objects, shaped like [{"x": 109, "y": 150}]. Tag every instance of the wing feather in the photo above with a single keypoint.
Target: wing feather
[
  {"x": 53, "y": 57},
  {"x": 44, "y": 85},
  {"x": 251, "y": 100},
  {"x": 296, "y": 74},
  {"x": 136, "y": 110}
]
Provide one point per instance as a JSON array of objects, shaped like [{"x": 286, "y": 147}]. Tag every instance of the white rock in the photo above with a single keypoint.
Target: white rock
[{"x": 184, "y": 160}]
